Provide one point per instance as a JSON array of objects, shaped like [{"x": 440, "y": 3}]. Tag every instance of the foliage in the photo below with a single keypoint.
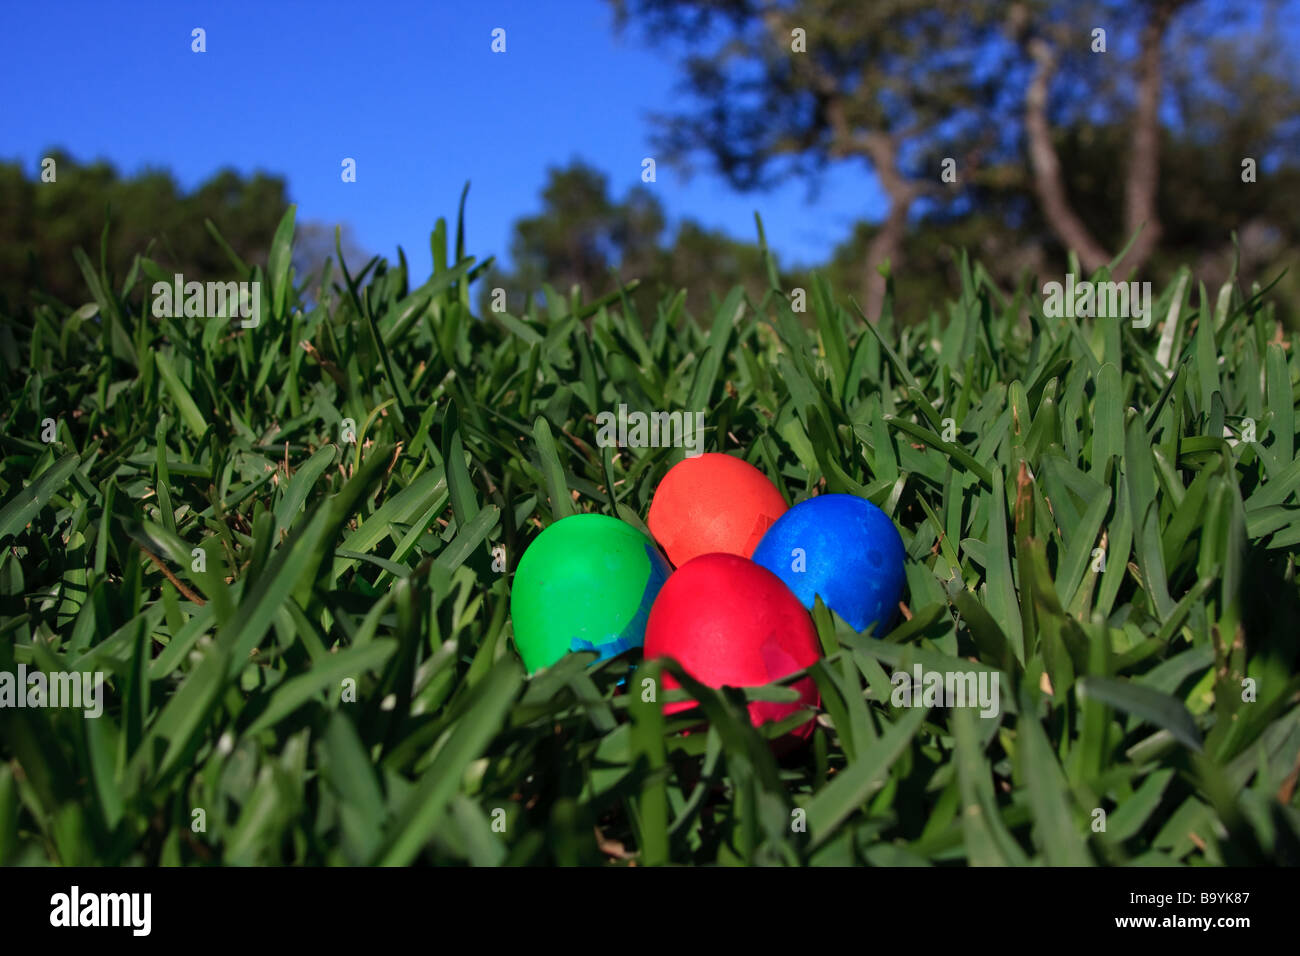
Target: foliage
[
  {"x": 932, "y": 98},
  {"x": 41, "y": 225},
  {"x": 1122, "y": 687},
  {"x": 585, "y": 237}
]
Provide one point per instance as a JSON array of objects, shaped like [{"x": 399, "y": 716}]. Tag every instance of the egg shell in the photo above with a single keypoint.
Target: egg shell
[
  {"x": 713, "y": 503},
  {"x": 585, "y": 583},
  {"x": 729, "y": 622},
  {"x": 851, "y": 553}
]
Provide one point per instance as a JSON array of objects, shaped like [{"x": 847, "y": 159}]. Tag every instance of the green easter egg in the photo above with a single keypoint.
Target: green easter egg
[{"x": 585, "y": 584}]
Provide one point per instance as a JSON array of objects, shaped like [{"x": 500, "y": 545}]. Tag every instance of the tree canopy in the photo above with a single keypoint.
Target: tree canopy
[{"x": 40, "y": 224}]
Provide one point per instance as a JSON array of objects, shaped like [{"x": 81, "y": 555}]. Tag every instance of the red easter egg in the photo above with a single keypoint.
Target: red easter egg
[
  {"x": 713, "y": 503},
  {"x": 729, "y": 621}
]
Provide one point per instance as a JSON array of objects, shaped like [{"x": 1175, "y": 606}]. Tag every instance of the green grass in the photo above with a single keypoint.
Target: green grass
[{"x": 1122, "y": 688}]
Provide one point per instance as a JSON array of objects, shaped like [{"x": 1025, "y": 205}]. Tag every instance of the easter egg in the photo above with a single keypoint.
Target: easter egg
[
  {"x": 586, "y": 583},
  {"x": 713, "y": 503},
  {"x": 843, "y": 548},
  {"x": 729, "y": 622}
]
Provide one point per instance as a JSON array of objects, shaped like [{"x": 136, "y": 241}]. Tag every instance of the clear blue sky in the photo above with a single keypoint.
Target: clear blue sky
[{"x": 409, "y": 89}]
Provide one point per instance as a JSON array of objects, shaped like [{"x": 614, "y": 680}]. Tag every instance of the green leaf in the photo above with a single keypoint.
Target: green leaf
[
  {"x": 189, "y": 411},
  {"x": 1055, "y": 830},
  {"x": 296, "y": 691},
  {"x": 849, "y": 790},
  {"x": 27, "y": 503},
  {"x": 425, "y": 809},
  {"x": 1146, "y": 704},
  {"x": 300, "y": 485},
  {"x": 558, "y": 491},
  {"x": 279, "y": 260}
]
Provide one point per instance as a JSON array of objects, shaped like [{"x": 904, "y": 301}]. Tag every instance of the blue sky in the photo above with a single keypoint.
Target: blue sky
[{"x": 411, "y": 90}]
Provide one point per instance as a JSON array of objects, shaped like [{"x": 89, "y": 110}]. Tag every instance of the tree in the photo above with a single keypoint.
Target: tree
[
  {"x": 42, "y": 222},
  {"x": 581, "y": 237},
  {"x": 585, "y": 237},
  {"x": 1041, "y": 36},
  {"x": 1055, "y": 140},
  {"x": 786, "y": 88},
  {"x": 708, "y": 263},
  {"x": 313, "y": 244}
]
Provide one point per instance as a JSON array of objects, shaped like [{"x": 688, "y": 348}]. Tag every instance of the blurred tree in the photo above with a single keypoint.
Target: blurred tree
[
  {"x": 583, "y": 236},
  {"x": 785, "y": 88},
  {"x": 42, "y": 222},
  {"x": 1042, "y": 28},
  {"x": 708, "y": 263},
  {"x": 1059, "y": 145},
  {"x": 313, "y": 243}
]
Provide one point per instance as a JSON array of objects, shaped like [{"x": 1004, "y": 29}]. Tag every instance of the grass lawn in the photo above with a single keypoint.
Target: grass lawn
[{"x": 306, "y": 643}]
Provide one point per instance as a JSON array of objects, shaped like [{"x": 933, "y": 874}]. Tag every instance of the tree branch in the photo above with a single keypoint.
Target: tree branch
[
  {"x": 879, "y": 147},
  {"x": 1048, "y": 181},
  {"x": 1141, "y": 187}
]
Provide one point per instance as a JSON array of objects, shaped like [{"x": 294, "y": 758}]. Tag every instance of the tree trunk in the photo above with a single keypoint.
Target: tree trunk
[
  {"x": 1141, "y": 189},
  {"x": 882, "y": 150},
  {"x": 1142, "y": 182},
  {"x": 1048, "y": 181},
  {"x": 887, "y": 244}
]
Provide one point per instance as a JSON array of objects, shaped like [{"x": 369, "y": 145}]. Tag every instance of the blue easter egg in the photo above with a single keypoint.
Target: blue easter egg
[{"x": 843, "y": 548}]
